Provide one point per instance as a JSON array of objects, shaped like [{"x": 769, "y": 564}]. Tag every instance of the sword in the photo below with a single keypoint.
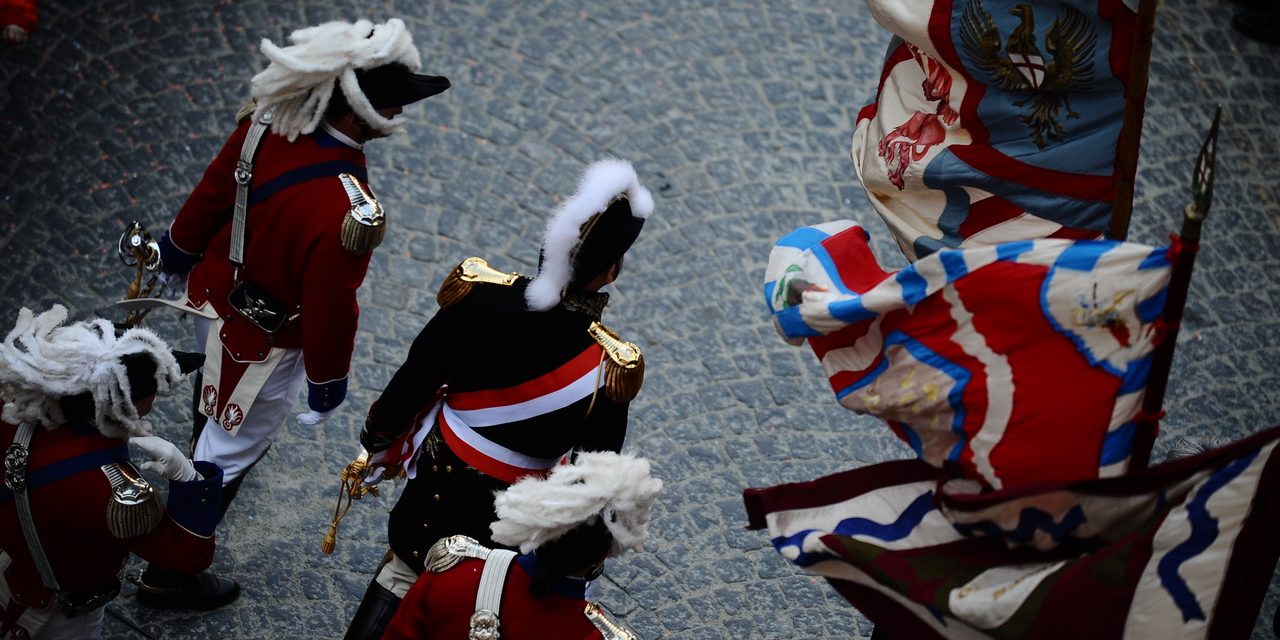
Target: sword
[{"x": 139, "y": 250}]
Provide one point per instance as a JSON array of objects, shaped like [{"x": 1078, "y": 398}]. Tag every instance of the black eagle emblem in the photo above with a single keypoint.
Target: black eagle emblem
[{"x": 1021, "y": 67}]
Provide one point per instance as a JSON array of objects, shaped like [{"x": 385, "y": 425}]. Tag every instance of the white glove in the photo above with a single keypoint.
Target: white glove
[
  {"x": 374, "y": 476},
  {"x": 314, "y": 417},
  {"x": 172, "y": 285},
  {"x": 13, "y": 34},
  {"x": 166, "y": 460}
]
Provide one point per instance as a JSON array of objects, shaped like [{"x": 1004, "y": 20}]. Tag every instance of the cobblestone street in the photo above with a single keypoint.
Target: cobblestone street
[{"x": 737, "y": 115}]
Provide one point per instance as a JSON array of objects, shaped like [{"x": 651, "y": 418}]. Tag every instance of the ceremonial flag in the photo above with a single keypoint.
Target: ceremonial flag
[
  {"x": 996, "y": 120},
  {"x": 1181, "y": 550},
  {"x": 1016, "y": 363}
]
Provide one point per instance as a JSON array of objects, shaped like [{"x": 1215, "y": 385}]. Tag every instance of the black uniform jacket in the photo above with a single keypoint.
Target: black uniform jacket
[{"x": 528, "y": 381}]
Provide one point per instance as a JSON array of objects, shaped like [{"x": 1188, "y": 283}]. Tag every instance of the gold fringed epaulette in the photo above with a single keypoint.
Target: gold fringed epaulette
[
  {"x": 459, "y": 282},
  {"x": 447, "y": 552},
  {"x": 134, "y": 509},
  {"x": 365, "y": 224},
  {"x": 624, "y": 369},
  {"x": 609, "y": 627},
  {"x": 247, "y": 110}
]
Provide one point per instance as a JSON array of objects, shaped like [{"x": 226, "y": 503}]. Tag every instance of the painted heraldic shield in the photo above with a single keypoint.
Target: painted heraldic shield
[
  {"x": 1017, "y": 363},
  {"x": 995, "y": 120}
]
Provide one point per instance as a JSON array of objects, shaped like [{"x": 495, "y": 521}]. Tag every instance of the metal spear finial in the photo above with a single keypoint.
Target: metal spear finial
[{"x": 1202, "y": 183}]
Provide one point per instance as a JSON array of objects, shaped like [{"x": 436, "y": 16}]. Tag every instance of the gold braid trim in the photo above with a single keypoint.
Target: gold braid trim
[
  {"x": 459, "y": 282},
  {"x": 624, "y": 370},
  {"x": 610, "y": 629}
]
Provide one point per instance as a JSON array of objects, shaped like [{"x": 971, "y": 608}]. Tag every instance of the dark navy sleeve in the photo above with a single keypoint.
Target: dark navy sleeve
[{"x": 197, "y": 505}]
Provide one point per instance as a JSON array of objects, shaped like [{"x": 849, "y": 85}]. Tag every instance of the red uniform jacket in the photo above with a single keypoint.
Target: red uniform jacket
[
  {"x": 69, "y": 496},
  {"x": 293, "y": 251},
  {"x": 440, "y": 606}
]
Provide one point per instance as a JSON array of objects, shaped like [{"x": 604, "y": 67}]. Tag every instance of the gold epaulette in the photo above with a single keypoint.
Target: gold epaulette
[
  {"x": 247, "y": 110},
  {"x": 365, "y": 224},
  {"x": 134, "y": 509},
  {"x": 624, "y": 371},
  {"x": 447, "y": 552},
  {"x": 610, "y": 628},
  {"x": 459, "y": 282}
]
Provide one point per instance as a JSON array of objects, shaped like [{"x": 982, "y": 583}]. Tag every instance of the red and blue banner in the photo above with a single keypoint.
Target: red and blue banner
[
  {"x": 1017, "y": 363},
  {"x": 1181, "y": 550},
  {"x": 995, "y": 120}
]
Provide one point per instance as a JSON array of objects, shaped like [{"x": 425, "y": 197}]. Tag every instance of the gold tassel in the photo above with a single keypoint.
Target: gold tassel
[{"x": 352, "y": 488}]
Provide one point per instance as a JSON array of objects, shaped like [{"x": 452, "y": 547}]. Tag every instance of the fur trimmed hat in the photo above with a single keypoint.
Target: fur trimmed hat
[
  {"x": 42, "y": 362},
  {"x": 590, "y": 232},
  {"x": 372, "y": 64},
  {"x": 614, "y": 487}
]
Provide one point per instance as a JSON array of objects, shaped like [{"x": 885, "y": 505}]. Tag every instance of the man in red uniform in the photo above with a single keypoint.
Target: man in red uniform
[
  {"x": 72, "y": 506},
  {"x": 565, "y": 526},
  {"x": 511, "y": 375},
  {"x": 277, "y": 237}
]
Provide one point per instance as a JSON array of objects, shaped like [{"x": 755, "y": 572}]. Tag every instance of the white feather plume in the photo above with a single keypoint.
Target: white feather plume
[
  {"x": 41, "y": 361},
  {"x": 599, "y": 184},
  {"x": 299, "y": 82},
  {"x": 612, "y": 486}
]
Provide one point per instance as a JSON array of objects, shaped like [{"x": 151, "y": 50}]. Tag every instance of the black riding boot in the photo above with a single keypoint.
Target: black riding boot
[
  {"x": 164, "y": 589},
  {"x": 376, "y": 610}
]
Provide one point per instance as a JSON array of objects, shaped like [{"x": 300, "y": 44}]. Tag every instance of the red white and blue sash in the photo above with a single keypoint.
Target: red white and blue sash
[{"x": 464, "y": 416}]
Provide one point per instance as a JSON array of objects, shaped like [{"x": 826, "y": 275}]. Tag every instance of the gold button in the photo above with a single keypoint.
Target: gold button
[
  {"x": 436, "y": 497},
  {"x": 435, "y": 468},
  {"x": 415, "y": 553},
  {"x": 448, "y": 468}
]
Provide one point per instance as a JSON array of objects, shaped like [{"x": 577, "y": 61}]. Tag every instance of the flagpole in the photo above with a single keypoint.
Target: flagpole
[
  {"x": 1131, "y": 129},
  {"x": 1185, "y": 246}
]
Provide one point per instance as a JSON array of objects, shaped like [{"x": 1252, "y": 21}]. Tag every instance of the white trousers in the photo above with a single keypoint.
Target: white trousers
[
  {"x": 86, "y": 626},
  {"x": 396, "y": 576},
  {"x": 261, "y": 426}
]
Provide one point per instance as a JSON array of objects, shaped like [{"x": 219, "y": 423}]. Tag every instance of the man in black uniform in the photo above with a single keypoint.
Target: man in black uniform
[{"x": 510, "y": 376}]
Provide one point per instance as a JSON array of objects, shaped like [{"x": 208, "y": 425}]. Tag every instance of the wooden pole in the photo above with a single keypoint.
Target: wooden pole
[
  {"x": 1126, "y": 166},
  {"x": 1187, "y": 244}
]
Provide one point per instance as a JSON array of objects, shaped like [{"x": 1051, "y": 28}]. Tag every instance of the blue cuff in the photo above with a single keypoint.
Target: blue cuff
[
  {"x": 173, "y": 259},
  {"x": 326, "y": 397},
  {"x": 197, "y": 505}
]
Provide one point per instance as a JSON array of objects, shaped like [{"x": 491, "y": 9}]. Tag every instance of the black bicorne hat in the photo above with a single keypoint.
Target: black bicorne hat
[
  {"x": 605, "y": 239},
  {"x": 394, "y": 85},
  {"x": 590, "y": 231},
  {"x": 140, "y": 368}
]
